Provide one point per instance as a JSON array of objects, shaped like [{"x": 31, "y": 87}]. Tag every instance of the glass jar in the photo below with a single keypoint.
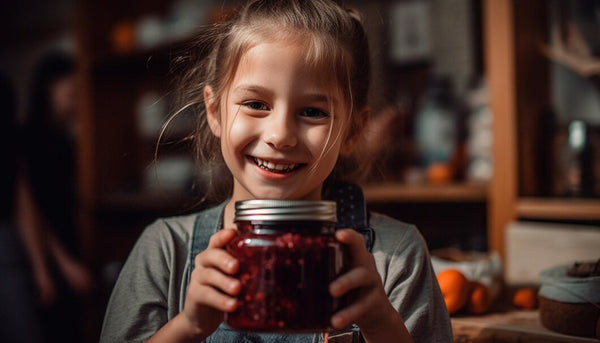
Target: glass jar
[{"x": 288, "y": 255}]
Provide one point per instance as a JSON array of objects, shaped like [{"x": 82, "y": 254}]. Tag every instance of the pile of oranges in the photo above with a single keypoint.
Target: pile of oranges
[
  {"x": 475, "y": 297},
  {"x": 459, "y": 293}
]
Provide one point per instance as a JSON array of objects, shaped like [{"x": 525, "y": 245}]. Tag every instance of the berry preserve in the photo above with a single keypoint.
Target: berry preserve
[{"x": 288, "y": 256}]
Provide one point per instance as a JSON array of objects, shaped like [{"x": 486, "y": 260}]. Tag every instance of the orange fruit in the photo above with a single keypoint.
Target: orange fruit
[
  {"x": 439, "y": 173},
  {"x": 455, "y": 289},
  {"x": 525, "y": 298},
  {"x": 480, "y": 298}
]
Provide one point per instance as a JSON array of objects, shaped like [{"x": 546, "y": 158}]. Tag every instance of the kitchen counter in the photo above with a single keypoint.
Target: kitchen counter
[{"x": 512, "y": 326}]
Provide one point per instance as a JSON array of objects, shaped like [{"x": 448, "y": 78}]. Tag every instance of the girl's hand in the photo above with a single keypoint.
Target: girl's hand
[
  {"x": 212, "y": 289},
  {"x": 77, "y": 275},
  {"x": 369, "y": 306},
  {"x": 74, "y": 272},
  {"x": 45, "y": 286}
]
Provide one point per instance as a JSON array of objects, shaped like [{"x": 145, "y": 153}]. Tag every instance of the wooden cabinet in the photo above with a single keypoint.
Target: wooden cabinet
[
  {"x": 518, "y": 68},
  {"x": 124, "y": 82}
]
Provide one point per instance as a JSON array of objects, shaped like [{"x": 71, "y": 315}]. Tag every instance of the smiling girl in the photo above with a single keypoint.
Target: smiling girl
[{"x": 281, "y": 94}]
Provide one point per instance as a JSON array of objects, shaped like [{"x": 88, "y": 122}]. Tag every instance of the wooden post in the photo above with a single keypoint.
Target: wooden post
[{"x": 499, "y": 50}]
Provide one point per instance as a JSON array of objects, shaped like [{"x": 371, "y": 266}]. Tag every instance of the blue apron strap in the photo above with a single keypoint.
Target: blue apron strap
[
  {"x": 206, "y": 224},
  {"x": 352, "y": 210}
]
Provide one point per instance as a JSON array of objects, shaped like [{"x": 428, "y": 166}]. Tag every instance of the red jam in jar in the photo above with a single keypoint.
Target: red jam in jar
[{"x": 288, "y": 256}]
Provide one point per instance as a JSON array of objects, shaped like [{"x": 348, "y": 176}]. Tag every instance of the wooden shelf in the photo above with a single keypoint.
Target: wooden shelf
[
  {"x": 559, "y": 209},
  {"x": 399, "y": 192}
]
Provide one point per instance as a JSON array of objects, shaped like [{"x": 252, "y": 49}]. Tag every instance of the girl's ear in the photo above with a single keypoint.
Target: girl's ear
[
  {"x": 353, "y": 137},
  {"x": 212, "y": 111}
]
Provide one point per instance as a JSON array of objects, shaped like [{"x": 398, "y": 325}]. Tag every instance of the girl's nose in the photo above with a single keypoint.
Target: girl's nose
[{"x": 280, "y": 131}]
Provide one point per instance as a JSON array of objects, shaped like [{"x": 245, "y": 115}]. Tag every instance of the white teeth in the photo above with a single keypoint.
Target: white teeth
[{"x": 273, "y": 166}]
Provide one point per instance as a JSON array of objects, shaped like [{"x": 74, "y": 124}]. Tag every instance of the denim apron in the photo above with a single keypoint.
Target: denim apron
[{"x": 351, "y": 213}]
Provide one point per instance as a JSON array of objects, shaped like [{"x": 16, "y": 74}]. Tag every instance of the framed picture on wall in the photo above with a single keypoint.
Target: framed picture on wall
[{"x": 410, "y": 31}]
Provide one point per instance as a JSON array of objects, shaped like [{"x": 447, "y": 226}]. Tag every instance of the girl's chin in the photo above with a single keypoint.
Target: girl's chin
[
  {"x": 285, "y": 193},
  {"x": 273, "y": 194}
]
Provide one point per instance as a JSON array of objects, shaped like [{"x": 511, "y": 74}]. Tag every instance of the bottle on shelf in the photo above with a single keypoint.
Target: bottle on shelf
[
  {"x": 576, "y": 177},
  {"x": 479, "y": 132},
  {"x": 440, "y": 132}
]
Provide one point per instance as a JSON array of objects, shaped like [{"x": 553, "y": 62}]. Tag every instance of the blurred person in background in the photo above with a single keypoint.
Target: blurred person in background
[
  {"x": 18, "y": 318},
  {"x": 48, "y": 216}
]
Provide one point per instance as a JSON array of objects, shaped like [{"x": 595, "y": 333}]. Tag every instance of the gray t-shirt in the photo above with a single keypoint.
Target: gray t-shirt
[{"x": 153, "y": 282}]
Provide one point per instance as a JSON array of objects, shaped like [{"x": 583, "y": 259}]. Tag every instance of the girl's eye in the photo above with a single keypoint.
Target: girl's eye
[
  {"x": 314, "y": 113},
  {"x": 256, "y": 105}
]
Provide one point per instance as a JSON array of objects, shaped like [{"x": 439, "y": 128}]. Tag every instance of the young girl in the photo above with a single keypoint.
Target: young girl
[{"x": 281, "y": 94}]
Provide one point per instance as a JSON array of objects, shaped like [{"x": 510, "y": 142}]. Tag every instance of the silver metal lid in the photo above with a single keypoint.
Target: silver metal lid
[{"x": 285, "y": 210}]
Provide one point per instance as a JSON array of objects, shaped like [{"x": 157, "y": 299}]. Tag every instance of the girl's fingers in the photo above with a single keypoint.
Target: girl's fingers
[
  {"x": 354, "y": 242},
  {"x": 216, "y": 279},
  {"x": 361, "y": 283},
  {"x": 209, "y": 296},
  {"x": 362, "y": 270},
  {"x": 352, "y": 312},
  {"x": 353, "y": 279},
  {"x": 221, "y": 238},
  {"x": 219, "y": 259}
]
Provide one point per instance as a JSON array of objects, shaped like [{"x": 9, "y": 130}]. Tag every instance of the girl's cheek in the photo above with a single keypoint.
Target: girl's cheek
[{"x": 320, "y": 136}]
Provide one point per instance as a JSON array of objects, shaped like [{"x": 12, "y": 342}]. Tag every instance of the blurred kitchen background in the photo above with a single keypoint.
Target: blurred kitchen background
[{"x": 486, "y": 113}]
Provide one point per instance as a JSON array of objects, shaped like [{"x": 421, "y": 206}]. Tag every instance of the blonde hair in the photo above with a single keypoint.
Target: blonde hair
[{"x": 213, "y": 59}]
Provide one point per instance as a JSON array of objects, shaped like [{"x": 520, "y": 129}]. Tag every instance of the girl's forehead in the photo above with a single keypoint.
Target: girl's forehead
[{"x": 308, "y": 56}]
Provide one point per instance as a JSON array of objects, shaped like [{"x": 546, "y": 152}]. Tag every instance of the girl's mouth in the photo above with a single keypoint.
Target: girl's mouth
[{"x": 279, "y": 168}]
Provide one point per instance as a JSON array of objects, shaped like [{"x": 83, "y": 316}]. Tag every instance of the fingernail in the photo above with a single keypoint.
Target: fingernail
[{"x": 231, "y": 264}]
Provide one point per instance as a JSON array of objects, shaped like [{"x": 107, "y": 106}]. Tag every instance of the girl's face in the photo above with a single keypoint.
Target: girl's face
[{"x": 280, "y": 124}]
